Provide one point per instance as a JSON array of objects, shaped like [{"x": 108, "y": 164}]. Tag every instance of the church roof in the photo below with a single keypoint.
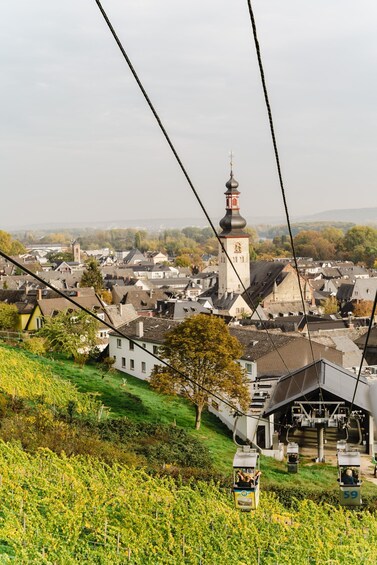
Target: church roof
[{"x": 263, "y": 276}]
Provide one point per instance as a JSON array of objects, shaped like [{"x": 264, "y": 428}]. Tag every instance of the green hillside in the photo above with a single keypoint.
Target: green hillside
[
  {"x": 26, "y": 378},
  {"x": 84, "y": 484}
]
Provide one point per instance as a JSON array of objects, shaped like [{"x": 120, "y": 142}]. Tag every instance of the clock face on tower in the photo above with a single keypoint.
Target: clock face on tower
[{"x": 237, "y": 247}]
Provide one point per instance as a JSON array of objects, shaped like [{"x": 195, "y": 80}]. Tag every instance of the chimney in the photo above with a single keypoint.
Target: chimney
[
  {"x": 120, "y": 308},
  {"x": 39, "y": 294},
  {"x": 140, "y": 328}
]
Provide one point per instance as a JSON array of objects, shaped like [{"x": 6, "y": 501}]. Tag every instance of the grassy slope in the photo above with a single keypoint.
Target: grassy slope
[{"x": 138, "y": 402}]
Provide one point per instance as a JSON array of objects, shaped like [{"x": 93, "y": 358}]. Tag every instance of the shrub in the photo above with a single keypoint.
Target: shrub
[
  {"x": 36, "y": 345},
  {"x": 108, "y": 362},
  {"x": 158, "y": 443}
]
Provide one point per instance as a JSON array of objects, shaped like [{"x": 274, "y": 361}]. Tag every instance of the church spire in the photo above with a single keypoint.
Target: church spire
[
  {"x": 234, "y": 257},
  {"x": 232, "y": 223}
]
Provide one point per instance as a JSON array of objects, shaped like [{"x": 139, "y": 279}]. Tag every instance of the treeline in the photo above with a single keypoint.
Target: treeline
[
  {"x": 269, "y": 232},
  {"x": 358, "y": 244},
  {"x": 320, "y": 241}
]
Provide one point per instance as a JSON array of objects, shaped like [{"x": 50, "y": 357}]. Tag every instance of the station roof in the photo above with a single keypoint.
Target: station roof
[{"x": 324, "y": 375}]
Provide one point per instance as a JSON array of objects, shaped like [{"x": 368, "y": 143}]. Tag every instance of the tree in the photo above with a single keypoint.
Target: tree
[
  {"x": 360, "y": 244},
  {"x": 58, "y": 256},
  {"x": 310, "y": 243},
  {"x": 183, "y": 261},
  {"x": 106, "y": 296},
  {"x": 363, "y": 308},
  {"x": 10, "y": 246},
  {"x": 202, "y": 348},
  {"x": 17, "y": 248},
  {"x": 8, "y": 316},
  {"x": 71, "y": 332},
  {"x": 334, "y": 235},
  {"x": 139, "y": 236},
  {"x": 330, "y": 305},
  {"x": 92, "y": 276}
]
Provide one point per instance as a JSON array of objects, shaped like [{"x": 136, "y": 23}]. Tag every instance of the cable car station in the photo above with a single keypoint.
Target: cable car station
[{"x": 314, "y": 407}]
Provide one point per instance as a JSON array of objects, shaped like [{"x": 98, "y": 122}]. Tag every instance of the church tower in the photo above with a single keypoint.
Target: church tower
[
  {"x": 76, "y": 251},
  {"x": 236, "y": 244}
]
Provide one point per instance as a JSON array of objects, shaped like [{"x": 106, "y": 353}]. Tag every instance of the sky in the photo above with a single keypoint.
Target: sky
[{"x": 79, "y": 144}]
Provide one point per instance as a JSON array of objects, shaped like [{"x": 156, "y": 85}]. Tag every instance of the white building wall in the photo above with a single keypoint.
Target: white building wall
[
  {"x": 247, "y": 426},
  {"x": 132, "y": 359}
]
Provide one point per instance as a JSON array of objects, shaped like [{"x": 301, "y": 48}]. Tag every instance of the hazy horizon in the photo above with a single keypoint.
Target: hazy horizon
[{"x": 79, "y": 143}]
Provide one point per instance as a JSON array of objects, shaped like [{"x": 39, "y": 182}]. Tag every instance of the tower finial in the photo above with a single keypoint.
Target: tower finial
[{"x": 231, "y": 163}]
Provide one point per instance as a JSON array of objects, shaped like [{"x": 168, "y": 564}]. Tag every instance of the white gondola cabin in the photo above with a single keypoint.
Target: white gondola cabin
[
  {"x": 349, "y": 477},
  {"x": 246, "y": 476},
  {"x": 292, "y": 457}
]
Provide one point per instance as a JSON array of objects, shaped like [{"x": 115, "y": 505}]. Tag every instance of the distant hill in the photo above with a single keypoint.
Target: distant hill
[
  {"x": 355, "y": 215},
  {"x": 361, "y": 216}
]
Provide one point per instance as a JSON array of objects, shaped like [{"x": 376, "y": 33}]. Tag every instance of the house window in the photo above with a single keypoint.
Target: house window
[
  {"x": 123, "y": 361},
  {"x": 144, "y": 345},
  {"x": 143, "y": 367},
  {"x": 132, "y": 364},
  {"x": 249, "y": 368},
  {"x": 215, "y": 405},
  {"x": 131, "y": 346},
  {"x": 155, "y": 349},
  {"x": 39, "y": 323},
  {"x": 119, "y": 343}
]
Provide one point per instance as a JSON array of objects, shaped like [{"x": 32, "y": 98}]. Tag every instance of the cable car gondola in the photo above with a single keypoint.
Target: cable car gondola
[
  {"x": 292, "y": 457},
  {"x": 349, "y": 476},
  {"x": 246, "y": 476}
]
